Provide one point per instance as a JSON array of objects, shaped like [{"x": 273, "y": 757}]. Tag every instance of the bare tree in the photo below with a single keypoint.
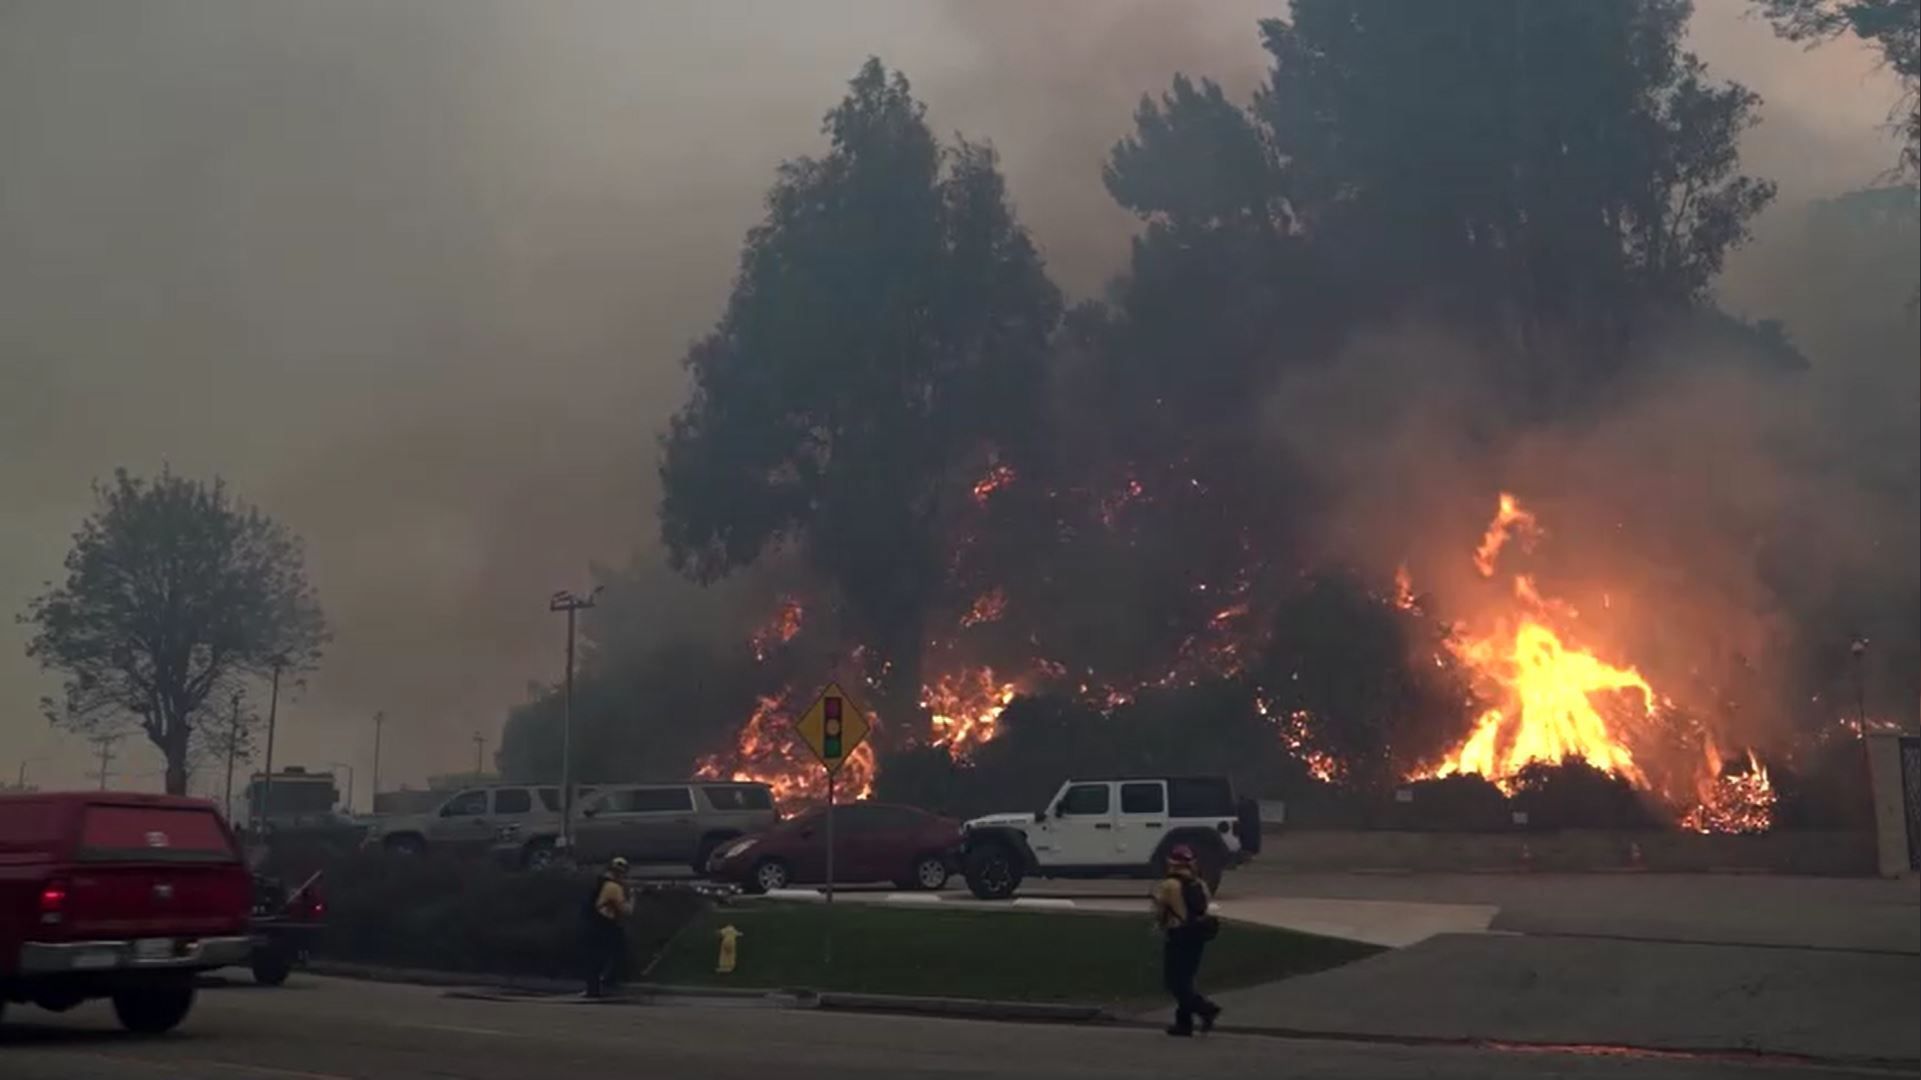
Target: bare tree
[{"x": 174, "y": 590}]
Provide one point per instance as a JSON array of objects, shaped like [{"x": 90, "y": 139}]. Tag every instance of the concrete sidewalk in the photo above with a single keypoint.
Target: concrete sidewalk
[
  {"x": 1390, "y": 923},
  {"x": 1394, "y": 924},
  {"x": 1833, "y": 1005}
]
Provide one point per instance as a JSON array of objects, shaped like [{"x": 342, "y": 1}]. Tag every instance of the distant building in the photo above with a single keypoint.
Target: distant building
[
  {"x": 296, "y": 797},
  {"x": 408, "y": 801},
  {"x": 451, "y": 782}
]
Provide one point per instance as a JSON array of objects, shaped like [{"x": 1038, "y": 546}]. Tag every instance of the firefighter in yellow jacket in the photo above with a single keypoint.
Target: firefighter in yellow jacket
[
  {"x": 607, "y": 910},
  {"x": 1180, "y": 911}
]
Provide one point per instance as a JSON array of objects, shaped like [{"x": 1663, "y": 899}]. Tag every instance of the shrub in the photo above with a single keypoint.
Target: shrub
[
  {"x": 454, "y": 915},
  {"x": 1576, "y": 795},
  {"x": 1462, "y": 803}
]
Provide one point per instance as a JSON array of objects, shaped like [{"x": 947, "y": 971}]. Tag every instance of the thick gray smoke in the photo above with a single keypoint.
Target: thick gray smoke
[{"x": 416, "y": 277}]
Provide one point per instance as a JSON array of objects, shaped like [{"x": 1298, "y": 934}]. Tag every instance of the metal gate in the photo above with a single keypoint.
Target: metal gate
[{"x": 1911, "y": 795}]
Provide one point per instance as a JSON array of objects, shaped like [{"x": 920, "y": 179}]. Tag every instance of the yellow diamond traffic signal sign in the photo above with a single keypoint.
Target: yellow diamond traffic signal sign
[{"x": 833, "y": 727}]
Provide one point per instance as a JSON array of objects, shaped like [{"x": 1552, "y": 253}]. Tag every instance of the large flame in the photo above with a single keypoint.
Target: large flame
[
  {"x": 1509, "y": 520},
  {"x": 1555, "y": 700},
  {"x": 1552, "y": 698}
]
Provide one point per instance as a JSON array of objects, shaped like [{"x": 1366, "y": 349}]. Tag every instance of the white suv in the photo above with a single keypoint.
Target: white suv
[{"x": 1112, "y": 828}]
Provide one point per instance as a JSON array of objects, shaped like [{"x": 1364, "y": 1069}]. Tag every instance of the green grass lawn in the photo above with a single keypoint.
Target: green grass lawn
[{"x": 1012, "y": 955}]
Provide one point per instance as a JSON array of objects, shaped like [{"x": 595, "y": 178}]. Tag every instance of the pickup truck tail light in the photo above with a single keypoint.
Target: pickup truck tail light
[{"x": 53, "y": 902}]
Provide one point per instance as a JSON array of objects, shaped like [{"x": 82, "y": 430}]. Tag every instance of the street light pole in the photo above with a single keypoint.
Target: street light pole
[
  {"x": 480, "y": 748},
  {"x": 373, "y": 800},
  {"x": 569, "y": 603}
]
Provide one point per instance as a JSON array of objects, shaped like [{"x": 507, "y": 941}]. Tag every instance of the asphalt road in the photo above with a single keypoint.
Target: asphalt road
[{"x": 319, "y": 1029}]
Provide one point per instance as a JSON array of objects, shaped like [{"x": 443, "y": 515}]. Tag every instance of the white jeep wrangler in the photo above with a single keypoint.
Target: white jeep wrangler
[{"x": 1112, "y": 828}]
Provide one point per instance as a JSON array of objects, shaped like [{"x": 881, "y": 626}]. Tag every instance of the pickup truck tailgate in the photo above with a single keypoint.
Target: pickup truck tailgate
[{"x": 153, "y": 871}]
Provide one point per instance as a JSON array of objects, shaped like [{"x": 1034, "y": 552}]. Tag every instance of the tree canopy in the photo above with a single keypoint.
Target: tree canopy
[
  {"x": 174, "y": 591},
  {"x": 1892, "y": 26},
  {"x": 886, "y": 333}
]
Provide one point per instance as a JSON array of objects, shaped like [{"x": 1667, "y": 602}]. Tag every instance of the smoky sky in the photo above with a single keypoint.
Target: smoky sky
[{"x": 416, "y": 277}]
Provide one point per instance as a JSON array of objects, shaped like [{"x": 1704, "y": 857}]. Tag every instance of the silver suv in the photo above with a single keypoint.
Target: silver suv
[
  {"x": 472, "y": 819},
  {"x": 649, "y": 823}
]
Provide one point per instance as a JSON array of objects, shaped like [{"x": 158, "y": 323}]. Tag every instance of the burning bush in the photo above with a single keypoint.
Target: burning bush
[
  {"x": 1576, "y": 795},
  {"x": 1341, "y": 676}
]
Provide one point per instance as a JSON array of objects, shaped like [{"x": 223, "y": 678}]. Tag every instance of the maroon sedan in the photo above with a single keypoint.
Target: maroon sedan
[{"x": 872, "y": 842}]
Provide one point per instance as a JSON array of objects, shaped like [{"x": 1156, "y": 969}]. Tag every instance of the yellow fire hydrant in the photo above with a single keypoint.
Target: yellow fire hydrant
[{"x": 729, "y": 951}]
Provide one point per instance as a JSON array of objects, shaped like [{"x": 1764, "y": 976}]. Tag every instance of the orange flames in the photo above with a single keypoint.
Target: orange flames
[
  {"x": 1554, "y": 700},
  {"x": 1296, "y": 733},
  {"x": 1509, "y": 521},
  {"x": 993, "y": 480},
  {"x": 1732, "y": 802},
  {"x": 988, "y": 607},
  {"x": 966, "y": 707},
  {"x": 778, "y": 630},
  {"x": 1404, "y": 597}
]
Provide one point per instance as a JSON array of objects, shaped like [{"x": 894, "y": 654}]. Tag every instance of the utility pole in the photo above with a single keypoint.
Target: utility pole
[
  {"x": 105, "y": 742},
  {"x": 273, "y": 718},
  {"x": 374, "y": 799},
  {"x": 20, "y": 778},
  {"x": 233, "y": 748},
  {"x": 480, "y": 747},
  {"x": 569, "y": 603}
]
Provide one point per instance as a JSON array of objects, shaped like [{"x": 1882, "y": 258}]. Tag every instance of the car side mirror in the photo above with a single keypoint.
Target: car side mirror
[{"x": 1040, "y": 816}]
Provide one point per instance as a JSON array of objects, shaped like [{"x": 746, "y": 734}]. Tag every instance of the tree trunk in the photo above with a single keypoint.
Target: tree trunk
[{"x": 174, "y": 748}]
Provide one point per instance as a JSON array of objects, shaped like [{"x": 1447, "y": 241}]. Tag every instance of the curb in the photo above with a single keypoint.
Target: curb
[
  {"x": 965, "y": 1008},
  {"x": 1746, "y": 1055},
  {"x": 1735, "y": 1054},
  {"x": 477, "y": 985},
  {"x": 435, "y": 977}
]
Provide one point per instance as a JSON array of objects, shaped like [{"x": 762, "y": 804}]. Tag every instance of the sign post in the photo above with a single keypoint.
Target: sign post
[{"x": 833, "y": 728}]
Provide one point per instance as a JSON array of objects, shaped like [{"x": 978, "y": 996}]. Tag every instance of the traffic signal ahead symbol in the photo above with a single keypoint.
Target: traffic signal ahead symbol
[
  {"x": 830, "y": 727},
  {"x": 833, "y": 727}
]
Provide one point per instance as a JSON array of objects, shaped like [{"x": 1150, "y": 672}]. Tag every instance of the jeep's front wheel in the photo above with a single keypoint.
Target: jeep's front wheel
[{"x": 993, "y": 872}]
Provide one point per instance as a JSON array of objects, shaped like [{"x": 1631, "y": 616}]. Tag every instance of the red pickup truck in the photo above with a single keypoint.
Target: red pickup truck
[{"x": 121, "y": 896}]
